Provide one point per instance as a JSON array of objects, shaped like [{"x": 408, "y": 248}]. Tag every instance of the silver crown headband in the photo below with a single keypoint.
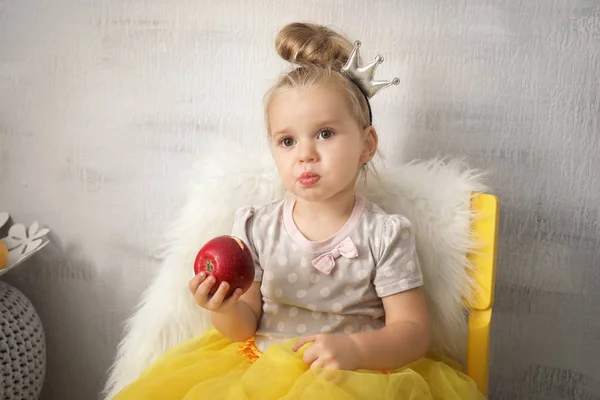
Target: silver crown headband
[{"x": 364, "y": 77}]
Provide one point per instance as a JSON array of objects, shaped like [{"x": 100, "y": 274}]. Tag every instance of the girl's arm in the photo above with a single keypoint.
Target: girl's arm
[
  {"x": 235, "y": 317},
  {"x": 238, "y": 320},
  {"x": 405, "y": 337}
]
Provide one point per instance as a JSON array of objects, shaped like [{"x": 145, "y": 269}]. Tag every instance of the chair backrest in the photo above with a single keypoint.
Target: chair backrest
[{"x": 485, "y": 229}]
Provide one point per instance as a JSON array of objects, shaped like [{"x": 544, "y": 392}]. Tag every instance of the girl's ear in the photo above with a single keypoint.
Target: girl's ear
[{"x": 370, "y": 144}]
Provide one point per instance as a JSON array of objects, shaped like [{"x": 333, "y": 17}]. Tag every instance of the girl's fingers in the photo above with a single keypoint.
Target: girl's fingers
[
  {"x": 217, "y": 298},
  {"x": 311, "y": 357},
  {"x": 201, "y": 294},
  {"x": 314, "y": 362},
  {"x": 304, "y": 340},
  {"x": 196, "y": 281},
  {"x": 235, "y": 297}
]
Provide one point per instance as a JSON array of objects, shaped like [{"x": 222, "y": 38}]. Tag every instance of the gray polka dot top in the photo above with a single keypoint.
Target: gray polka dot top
[{"x": 331, "y": 286}]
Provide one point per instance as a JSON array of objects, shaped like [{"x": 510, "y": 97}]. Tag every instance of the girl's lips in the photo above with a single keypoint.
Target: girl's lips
[{"x": 308, "y": 179}]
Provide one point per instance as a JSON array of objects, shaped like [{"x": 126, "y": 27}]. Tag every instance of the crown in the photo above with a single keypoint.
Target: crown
[{"x": 364, "y": 77}]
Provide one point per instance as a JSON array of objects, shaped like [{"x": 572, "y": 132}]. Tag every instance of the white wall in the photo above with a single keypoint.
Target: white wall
[{"x": 103, "y": 105}]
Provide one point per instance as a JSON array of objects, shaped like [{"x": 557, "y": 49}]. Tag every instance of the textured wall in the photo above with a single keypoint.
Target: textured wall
[{"x": 103, "y": 104}]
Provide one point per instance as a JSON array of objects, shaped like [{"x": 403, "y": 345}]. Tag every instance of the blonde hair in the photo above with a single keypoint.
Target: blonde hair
[{"x": 319, "y": 54}]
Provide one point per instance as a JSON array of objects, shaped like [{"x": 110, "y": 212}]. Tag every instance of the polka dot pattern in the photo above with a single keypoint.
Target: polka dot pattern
[
  {"x": 272, "y": 308},
  {"x": 405, "y": 234},
  {"x": 397, "y": 269},
  {"x": 403, "y": 285},
  {"x": 338, "y": 275}
]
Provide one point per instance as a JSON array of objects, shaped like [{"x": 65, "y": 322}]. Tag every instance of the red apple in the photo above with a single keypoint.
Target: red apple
[{"x": 228, "y": 259}]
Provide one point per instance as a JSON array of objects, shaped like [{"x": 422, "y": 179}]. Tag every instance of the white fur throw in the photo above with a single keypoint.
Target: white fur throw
[{"x": 434, "y": 195}]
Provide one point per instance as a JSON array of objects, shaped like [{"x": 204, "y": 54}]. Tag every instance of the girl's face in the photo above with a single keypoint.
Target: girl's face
[{"x": 316, "y": 144}]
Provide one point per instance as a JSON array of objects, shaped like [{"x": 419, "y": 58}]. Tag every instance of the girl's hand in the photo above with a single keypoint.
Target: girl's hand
[
  {"x": 200, "y": 286},
  {"x": 329, "y": 352}
]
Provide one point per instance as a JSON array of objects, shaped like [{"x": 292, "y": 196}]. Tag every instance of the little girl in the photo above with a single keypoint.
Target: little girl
[{"x": 336, "y": 310}]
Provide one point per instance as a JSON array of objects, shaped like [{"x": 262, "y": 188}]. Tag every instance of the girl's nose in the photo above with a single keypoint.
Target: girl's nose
[{"x": 308, "y": 152}]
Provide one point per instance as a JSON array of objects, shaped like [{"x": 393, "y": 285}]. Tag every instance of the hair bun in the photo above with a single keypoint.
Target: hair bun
[{"x": 305, "y": 43}]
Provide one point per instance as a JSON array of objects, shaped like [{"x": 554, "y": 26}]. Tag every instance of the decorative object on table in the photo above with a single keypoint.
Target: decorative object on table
[
  {"x": 22, "y": 339},
  {"x": 21, "y": 242}
]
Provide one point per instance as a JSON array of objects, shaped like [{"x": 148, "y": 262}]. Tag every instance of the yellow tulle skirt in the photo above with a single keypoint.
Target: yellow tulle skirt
[{"x": 213, "y": 367}]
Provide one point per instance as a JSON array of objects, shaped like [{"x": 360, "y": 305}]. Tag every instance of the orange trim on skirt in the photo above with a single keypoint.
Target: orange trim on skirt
[{"x": 249, "y": 350}]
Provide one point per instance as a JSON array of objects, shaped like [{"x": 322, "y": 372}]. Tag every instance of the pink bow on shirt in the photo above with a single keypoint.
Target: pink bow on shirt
[{"x": 326, "y": 261}]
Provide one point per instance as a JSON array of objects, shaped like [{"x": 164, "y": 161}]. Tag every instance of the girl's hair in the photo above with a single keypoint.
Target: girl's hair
[{"x": 319, "y": 54}]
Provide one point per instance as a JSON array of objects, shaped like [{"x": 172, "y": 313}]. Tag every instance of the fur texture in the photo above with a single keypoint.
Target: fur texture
[{"x": 434, "y": 195}]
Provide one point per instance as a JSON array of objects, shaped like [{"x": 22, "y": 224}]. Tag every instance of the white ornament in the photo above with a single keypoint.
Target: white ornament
[{"x": 21, "y": 242}]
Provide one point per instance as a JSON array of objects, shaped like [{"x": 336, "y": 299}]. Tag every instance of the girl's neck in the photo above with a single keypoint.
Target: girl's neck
[{"x": 336, "y": 208}]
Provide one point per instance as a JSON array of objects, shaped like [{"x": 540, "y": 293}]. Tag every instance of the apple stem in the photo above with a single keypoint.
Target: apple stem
[{"x": 209, "y": 266}]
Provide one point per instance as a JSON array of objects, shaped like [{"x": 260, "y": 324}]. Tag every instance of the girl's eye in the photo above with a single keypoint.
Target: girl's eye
[
  {"x": 287, "y": 142},
  {"x": 326, "y": 134}
]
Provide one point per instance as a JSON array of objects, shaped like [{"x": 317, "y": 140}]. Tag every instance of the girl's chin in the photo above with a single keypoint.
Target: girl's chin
[{"x": 311, "y": 194}]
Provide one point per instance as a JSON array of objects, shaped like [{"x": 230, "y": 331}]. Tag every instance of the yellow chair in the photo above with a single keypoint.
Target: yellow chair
[{"x": 485, "y": 228}]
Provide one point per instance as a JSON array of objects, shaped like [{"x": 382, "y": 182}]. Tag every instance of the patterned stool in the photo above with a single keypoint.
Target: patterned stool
[{"x": 22, "y": 346}]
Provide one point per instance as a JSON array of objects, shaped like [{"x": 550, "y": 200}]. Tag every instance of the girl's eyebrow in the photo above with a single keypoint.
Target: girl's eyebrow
[
  {"x": 327, "y": 122},
  {"x": 285, "y": 131},
  {"x": 332, "y": 121}
]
